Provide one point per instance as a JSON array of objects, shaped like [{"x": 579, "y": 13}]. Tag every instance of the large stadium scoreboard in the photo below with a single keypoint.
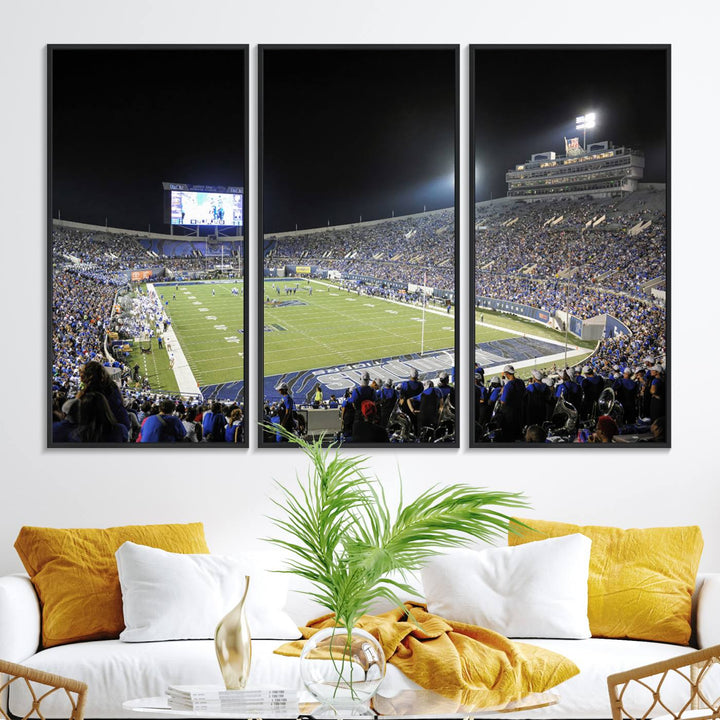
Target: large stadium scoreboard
[{"x": 203, "y": 205}]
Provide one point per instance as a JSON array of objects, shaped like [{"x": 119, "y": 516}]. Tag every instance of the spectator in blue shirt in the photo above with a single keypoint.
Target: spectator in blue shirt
[{"x": 164, "y": 427}]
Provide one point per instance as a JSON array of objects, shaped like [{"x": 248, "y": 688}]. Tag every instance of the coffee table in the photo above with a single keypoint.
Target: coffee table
[{"x": 406, "y": 705}]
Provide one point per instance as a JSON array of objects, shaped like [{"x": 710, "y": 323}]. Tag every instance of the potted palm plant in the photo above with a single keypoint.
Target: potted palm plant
[{"x": 343, "y": 537}]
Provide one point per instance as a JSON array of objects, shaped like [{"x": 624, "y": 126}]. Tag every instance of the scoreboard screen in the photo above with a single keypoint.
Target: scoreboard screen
[{"x": 188, "y": 207}]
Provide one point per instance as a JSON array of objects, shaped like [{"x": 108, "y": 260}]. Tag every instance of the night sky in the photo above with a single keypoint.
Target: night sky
[
  {"x": 356, "y": 132},
  {"x": 528, "y": 99},
  {"x": 125, "y": 120},
  {"x": 347, "y": 132}
]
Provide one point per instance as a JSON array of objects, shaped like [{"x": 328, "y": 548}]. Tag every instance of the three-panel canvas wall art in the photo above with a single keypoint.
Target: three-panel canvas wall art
[{"x": 351, "y": 247}]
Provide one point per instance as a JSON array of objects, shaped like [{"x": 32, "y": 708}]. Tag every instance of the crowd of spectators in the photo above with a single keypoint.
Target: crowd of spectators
[
  {"x": 417, "y": 249},
  {"x": 108, "y": 257},
  {"x": 374, "y": 411},
  {"x": 572, "y": 404},
  {"x": 107, "y": 252},
  {"x": 591, "y": 242},
  {"x": 140, "y": 416},
  {"x": 81, "y": 310}
]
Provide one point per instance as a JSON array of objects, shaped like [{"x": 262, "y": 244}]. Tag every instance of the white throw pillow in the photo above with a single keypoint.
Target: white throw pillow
[
  {"x": 536, "y": 590},
  {"x": 176, "y": 596}
]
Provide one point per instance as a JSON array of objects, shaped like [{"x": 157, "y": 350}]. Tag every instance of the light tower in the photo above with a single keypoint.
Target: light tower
[{"x": 585, "y": 123}]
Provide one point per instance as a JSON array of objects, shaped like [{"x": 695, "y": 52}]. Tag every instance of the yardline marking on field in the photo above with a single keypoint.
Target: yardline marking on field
[
  {"x": 361, "y": 344},
  {"x": 186, "y": 382},
  {"x": 199, "y": 332},
  {"x": 351, "y": 350},
  {"x": 315, "y": 343},
  {"x": 361, "y": 326},
  {"x": 356, "y": 329},
  {"x": 319, "y": 321}
]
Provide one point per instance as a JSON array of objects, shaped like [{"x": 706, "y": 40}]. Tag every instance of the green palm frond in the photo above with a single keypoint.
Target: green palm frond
[{"x": 346, "y": 541}]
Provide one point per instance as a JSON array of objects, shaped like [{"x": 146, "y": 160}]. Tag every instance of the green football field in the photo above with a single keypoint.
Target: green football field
[
  {"x": 207, "y": 327},
  {"x": 331, "y": 326},
  {"x": 304, "y": 330}
]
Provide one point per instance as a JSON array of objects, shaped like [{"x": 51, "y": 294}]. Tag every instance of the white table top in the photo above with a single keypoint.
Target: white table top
[{"x": 407, "y": 705}]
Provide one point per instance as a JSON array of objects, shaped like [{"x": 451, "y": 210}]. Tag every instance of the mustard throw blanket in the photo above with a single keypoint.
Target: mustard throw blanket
[{"x": 468, "y": 665}]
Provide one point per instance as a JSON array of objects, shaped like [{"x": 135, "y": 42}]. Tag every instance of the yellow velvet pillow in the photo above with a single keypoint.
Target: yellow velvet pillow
[
  {"x": 76, "y": 578},
  {"x": 641, "y": 581}
]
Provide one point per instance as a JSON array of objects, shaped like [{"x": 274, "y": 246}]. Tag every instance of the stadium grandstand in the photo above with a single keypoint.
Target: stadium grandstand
[{"x": 118, "y": 299}]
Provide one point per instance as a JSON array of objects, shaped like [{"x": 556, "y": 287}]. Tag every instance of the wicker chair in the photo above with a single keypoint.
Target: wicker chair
[
  {"x": 695, "y": 676},
  {"x": 41, "y": 685}
]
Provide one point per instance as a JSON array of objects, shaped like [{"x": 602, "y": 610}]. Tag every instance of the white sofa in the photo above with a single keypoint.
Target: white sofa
[{"x": 116, "y": 671}]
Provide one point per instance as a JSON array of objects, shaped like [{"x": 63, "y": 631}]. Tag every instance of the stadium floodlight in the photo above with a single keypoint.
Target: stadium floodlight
[{"x": 585, "y": 123}]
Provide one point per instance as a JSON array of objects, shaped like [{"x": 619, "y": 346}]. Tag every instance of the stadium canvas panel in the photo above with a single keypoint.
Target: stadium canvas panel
[
  {"x": 570, "y": 229},
  {"x": 358, "y": 164},
  {"x": 147, "y": 165}
]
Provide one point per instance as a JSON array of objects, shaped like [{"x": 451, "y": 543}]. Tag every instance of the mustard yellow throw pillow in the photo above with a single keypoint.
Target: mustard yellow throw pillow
[
  {"x": 75, "y": 574},
  {"x": 641, "y": 581}
]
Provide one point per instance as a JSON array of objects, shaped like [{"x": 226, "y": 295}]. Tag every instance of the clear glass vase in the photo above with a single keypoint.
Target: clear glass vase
[
  {"x": 342, "y": 670},
  {"x": 233, "y": 645}
]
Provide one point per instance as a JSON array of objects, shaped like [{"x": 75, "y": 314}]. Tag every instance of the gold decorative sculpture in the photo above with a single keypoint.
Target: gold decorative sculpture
[{"x": 232, "y": 645}]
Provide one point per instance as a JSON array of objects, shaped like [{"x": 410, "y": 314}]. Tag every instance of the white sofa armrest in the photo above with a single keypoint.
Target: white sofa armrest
[
  {"x": 19, "y": 618},
  {"x": 708, "y": 610}
]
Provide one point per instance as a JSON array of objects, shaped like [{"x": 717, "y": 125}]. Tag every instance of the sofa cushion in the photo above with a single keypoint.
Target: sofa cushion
[
  {"x": 75, "y": 574},
  {"x": 181, "y": 596},
  {"x": 641, "y": 580},
  {"x": 534, "y": 590}
]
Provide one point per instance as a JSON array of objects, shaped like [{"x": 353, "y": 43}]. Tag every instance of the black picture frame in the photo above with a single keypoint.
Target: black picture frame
[
  {"x": 230, "y": 60},
  {"x": 447, "y": 53},
  {"x": 565, "y": 72}
]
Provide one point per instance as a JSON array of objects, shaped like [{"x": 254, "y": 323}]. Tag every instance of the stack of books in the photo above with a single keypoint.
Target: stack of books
[{"x": 256, "y": 701}]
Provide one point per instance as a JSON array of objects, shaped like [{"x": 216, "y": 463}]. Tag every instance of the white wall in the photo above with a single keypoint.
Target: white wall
[{"x": 228, "y": 490}]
